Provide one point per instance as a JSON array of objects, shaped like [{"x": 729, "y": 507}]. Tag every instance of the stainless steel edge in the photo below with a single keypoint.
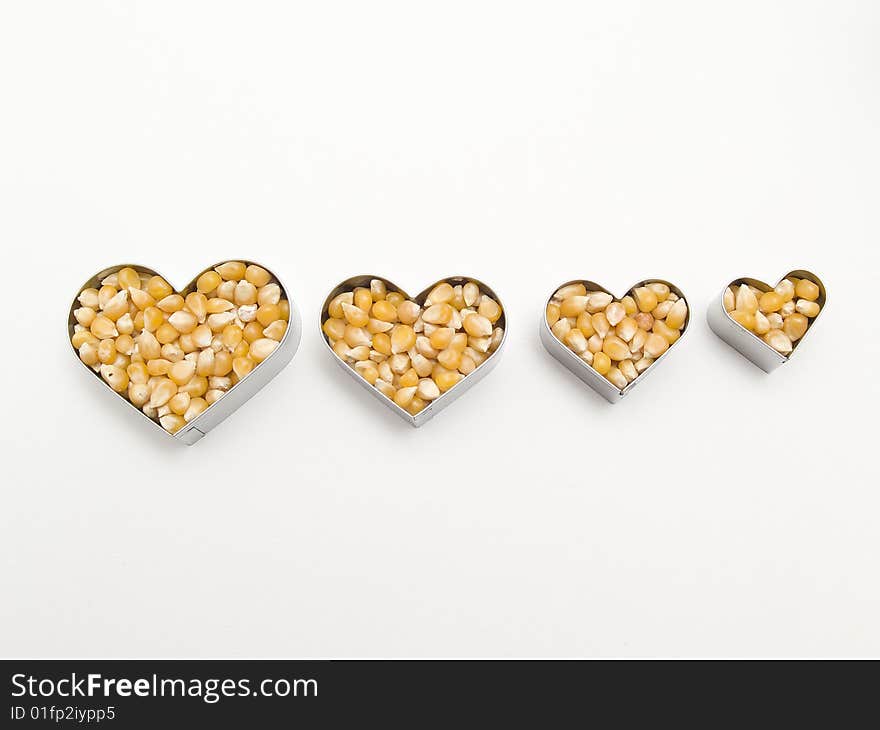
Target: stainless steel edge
[
  {"x": 583, "y": 370},
  {"x": 747, "y": 343},
  {"x": 241, "y": 391},
  {"x": 437, "y": 405}
]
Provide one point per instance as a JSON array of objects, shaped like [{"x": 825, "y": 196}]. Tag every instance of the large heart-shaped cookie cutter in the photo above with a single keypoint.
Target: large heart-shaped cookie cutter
[
  {"x": 241, "y": 391},
  {"x": 748, "y": 343},
  {"x": 583, "y": 370},
  {"x": 438, "y": 404}
]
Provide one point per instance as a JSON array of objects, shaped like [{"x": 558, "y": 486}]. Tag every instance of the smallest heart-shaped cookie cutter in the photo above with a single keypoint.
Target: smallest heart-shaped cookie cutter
[
  {"x": 242, "y": 391},
  {"x": 747, "y": 343},
  {"x": 584, "y": 370},
  {"x": 458, "y": 390}
]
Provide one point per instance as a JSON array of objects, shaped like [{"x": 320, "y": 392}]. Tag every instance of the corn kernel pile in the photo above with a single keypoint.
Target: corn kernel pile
[
  {"x": 411, "y": 353},
  {"x": 780, "y": 316},
  {"x": 173, "y": 355},
  {"x": 619, "y": 339}
]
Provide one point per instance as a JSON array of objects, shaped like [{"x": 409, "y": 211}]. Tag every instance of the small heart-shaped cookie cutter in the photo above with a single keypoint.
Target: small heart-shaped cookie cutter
[
  {"x": 236, "y": 396},
  {"x": 748, "y": 343},
  {"x": 458, "y": 390},
  {"x": 584, "y": 370}
]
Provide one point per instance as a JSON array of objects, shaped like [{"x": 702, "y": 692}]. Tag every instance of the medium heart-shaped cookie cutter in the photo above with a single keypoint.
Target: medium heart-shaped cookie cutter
[
  {"x": 238, "y": 394},
  {"x": 438, "y": 404},
  {"x": 748, "y": 343},
  {"x": 584, "y": 370}
]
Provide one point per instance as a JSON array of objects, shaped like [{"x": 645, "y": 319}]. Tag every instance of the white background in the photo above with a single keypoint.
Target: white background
[{"x": 716, "y": 511}]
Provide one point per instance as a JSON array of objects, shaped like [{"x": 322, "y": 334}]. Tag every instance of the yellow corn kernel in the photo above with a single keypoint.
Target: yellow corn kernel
[
  {"x": 354, "y": 336},
  {"x": 257, "y": 275},
  {"x": 197, "y": 406},
  {"x": 103, "y": 328},
  {"x": 601, "y": 363},
  {"x": 179, "y": 403},
  {"x": 403, "y": 338},
  {"x": 106, "y": 351},
  {"x": 363, "y": 299},
  {"x": 450, "y": 358},
  {"x": 115, "y": 377},
  {"x": 615, "y": 348},
  {"x": 477, "y": 325},
  {"x": 490, "y": 309},
  {"x": 553, "y": 313},
  {"x": 661, "y": 291},
  {"x": 196, "y": 387},
  {"x": 252, "y": 332},
  {"x": 222, "y": 363},
  {"x": 116, "y": 306},
  {"x": 158, "y": 366},
  {"x": 770, "y": 302},
  {"x": 795, "y": 326},
  {"x": 441, "y": 338},
  {"x": 585, "y": 324},
  {"x": 88, "y": 353},
  {"x": 245, "y": 293},
  {"x": 184, "y": 322},
  {"x": 153, "y": 319},
  {"x": 268, "y": 294},
  {"x": 171, "y": 422},
  {"x": 573, "y": 306},
  {"x": 743, "y": 318},
  {"x": 575, "y": 341},
  {"x": 367, "y": 370},
  {"x": 655, "y": 345},
  {"x": 779, "y": 341},
  {"x": 571, "y": 290},
  {"x": 105, "y": 294},
  {"x": 384, "y": 311},
  {"x": 629, "y": 305},
  {"x": 226, "y": 290},
  {"x": 231, "y": 270},
  {"x": 138, "y": 393},
  {"x": 407, "y": 312},
  {"x": 382, "y": 343},
  {"x": 355, "y": 316},
  {"x": 614, "y": 313},
  {"x": 268, "y": 314},
  {"x": 445, "y": 379},
  {"x": 395, "y": 297},
  {"x": 645, "y": 299},
  {"x": 409, "y": 378},
  {"x": 85, "y": 315},
  {"x": 166, "y": 333},
  {"x": 666, "y": 332},
  {"x": 89, "y": 298},
  {"x": 601, "y": 325},
  {"x": 128, "y": 277},
  {"x": 262, "y": 348},
  {"x": 439, "y": 314},
  {"x": 807, "y": 289},
  {"x": 158, "y": 288},
  {"x": 746, "y": 301},
  {"x": 378, "y": 290},
  {"x": 615, "y": 377},
  {"x": 677, "y": 315},
  {"x": 171, "y": 303},
  {"x": 334, "y": 328},
  {"x": 138, "y": 373},
  {"x": 334, "y": 309},
  {"x": 182, "y": 371},
  {"x": 807, "y": 308},
  {"x": 125, "y": 324},
  {"x": 403, "y": 396},
  {"x": 205, "y": 362},
  {"x": 441, "y": 294},
  {"x": 785, "y": 289}
]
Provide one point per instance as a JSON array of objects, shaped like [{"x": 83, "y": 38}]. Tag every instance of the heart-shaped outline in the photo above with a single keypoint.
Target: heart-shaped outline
[
  {"x": 438, "y": 404},
  {"x": 247, "y": 387},
  {"x": 582, "y": 369},
  {"x": 747, "y": 343}
]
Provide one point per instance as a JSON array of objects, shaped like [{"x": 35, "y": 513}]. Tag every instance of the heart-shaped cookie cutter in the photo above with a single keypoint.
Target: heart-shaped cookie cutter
[
  {"x": 438, "y": 404},
  {"x": 748, "y": 343},
  {"x": 241, "y": 391},
  {"x": 584, "y": 370}
]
